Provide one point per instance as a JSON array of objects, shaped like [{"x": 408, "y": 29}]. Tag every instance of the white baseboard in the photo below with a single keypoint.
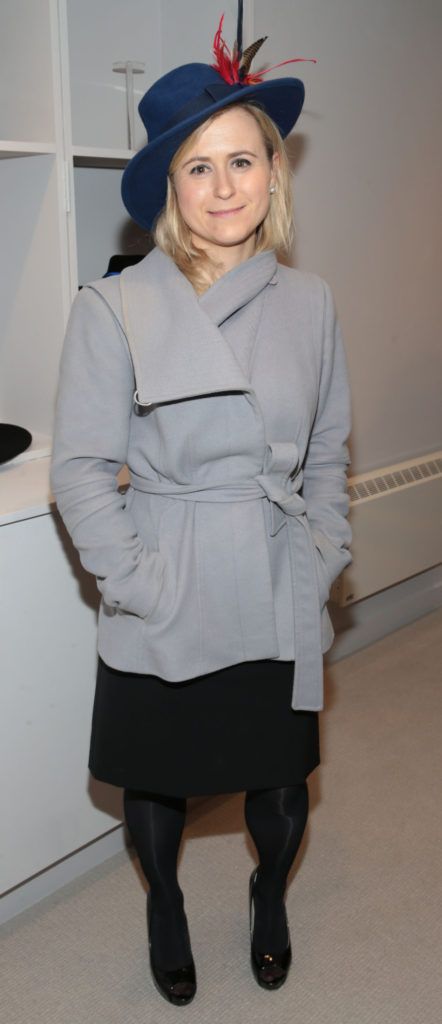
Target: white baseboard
[{"x": 61, "y": 873}]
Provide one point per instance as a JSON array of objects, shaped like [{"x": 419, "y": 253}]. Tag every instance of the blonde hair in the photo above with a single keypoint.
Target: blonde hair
[{"x": 172, "y": 235}]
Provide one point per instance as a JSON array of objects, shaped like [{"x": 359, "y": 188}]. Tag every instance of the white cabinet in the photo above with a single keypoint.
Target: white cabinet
[
  {"x": 63, "y": 146},
  {"x": 48, "y": 662}
]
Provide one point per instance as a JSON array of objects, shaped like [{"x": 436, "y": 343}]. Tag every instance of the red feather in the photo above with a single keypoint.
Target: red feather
[{"x": 228, "y": 66}]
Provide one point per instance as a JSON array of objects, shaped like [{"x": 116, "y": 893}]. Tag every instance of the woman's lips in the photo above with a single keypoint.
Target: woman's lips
[{"x": 225, "y": 213}]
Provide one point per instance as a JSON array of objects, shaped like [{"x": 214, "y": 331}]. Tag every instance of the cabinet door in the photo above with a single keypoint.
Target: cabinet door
[{"x": 50, "y": 806}]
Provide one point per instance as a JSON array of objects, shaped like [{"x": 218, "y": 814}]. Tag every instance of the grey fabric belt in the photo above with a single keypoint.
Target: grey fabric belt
[{"x": 287, "y": 508}]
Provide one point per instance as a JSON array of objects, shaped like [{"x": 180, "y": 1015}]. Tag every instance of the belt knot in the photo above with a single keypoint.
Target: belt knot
[{"x": 281, "y": 481}]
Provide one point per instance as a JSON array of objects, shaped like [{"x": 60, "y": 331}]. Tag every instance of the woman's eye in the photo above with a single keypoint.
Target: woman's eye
[
  {"x": 242, "y": 161},
  {"x": 198, "y": 169}
]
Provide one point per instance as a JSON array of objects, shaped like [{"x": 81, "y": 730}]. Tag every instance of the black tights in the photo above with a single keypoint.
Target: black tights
[{"x": 276, "y": 820}]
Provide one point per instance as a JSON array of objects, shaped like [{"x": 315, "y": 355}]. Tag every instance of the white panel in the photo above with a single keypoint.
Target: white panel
[
  {"x": 31, "y": 314},
  {"x": 100, "y": 33},
  {"x": 367, "y": 156},
  {"x": 48, "y": 644},
  {"x": 26, "y": 107},
  {"x": 24, "y": 486}
]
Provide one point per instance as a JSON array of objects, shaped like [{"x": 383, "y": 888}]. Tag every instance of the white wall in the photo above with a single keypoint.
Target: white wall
[{"x": 367, "y": 154}]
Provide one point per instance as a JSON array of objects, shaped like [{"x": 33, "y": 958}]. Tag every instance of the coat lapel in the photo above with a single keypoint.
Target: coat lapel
[{"x": 177, "y": 348}]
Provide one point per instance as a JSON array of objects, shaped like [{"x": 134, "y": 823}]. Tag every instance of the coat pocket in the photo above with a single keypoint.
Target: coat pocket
[{"x": 330, "y": 562}]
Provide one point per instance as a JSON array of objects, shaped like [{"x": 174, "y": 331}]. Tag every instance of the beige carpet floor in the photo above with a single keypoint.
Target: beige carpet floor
[{"x": 364, "y": 899}]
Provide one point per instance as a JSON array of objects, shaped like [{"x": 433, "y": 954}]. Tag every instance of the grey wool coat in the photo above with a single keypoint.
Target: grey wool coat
[{"x": 231, "y": 410}]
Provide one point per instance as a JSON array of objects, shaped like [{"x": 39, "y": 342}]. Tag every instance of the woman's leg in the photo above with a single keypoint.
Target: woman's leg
[
  {"x": 156, "y": 823},
  {"x": 276, "y": 820}
]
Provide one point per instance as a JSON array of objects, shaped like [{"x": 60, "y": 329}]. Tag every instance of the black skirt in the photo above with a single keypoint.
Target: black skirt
[{"x": 224, "y": 732}]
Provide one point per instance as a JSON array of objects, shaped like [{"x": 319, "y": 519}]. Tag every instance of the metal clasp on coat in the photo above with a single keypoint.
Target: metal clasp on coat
[{"x": 141, "y": 408}]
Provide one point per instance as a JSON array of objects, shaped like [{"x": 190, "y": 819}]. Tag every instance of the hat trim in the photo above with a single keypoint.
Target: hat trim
[{"x": 202, "y": 102}]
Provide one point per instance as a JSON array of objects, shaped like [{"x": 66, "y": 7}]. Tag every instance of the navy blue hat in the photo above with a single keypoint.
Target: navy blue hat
[{"x": 183, "y": 99}]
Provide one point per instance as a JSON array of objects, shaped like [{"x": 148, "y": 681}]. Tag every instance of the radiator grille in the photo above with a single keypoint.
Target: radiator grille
[
  {"x": 407, "y": 474},
  {"x": 396, "y": 518}
]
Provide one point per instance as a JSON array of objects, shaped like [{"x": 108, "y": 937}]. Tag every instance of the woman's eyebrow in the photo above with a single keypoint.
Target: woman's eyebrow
[{"x": 206, "y": 159}]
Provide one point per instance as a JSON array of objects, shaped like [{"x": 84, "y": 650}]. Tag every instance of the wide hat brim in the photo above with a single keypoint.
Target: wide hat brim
[
  {"x": 144, "y": 181},
  {"x": 13, "y": 441}
]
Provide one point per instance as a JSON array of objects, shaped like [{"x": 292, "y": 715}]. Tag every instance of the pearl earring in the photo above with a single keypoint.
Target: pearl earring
[{"x": 272, "y": 190}]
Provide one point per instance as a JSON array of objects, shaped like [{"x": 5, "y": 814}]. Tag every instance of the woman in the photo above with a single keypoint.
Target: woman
[{"x": 219, "y": 377}]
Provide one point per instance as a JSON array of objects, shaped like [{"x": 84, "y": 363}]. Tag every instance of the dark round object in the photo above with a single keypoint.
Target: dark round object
[
  {"x": 225, "y": 732},
  {"x": 13, "y": 441}
]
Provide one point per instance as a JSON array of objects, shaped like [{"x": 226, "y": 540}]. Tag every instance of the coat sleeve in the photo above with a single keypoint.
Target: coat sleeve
[
  {"x": 327, "y": 456},
  {"x": 92, "y": 418}
]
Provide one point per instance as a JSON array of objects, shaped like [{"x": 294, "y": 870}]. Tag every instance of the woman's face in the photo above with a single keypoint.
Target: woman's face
[{"x": 222, "y": 186}]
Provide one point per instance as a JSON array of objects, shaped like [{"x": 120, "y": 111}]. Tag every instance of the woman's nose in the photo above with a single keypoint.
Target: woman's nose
[{"x": 223, "y": 183}]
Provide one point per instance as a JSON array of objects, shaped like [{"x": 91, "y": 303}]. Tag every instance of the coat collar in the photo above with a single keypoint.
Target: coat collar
[
  {"x": 177, "y": 348},
  {"x": 239, "y": 286}
]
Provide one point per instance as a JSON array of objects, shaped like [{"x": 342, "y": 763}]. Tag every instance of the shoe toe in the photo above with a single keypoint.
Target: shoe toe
[
  {"x": 183, "y": 982},
  {"x": 271, "y": 972},
  {"x": 183, "y": 990},
  {"x": 178, "y": 986}
]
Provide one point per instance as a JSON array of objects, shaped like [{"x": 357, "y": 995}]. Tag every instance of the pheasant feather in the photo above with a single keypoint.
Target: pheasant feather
[{"x": 249, "y": 54}]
